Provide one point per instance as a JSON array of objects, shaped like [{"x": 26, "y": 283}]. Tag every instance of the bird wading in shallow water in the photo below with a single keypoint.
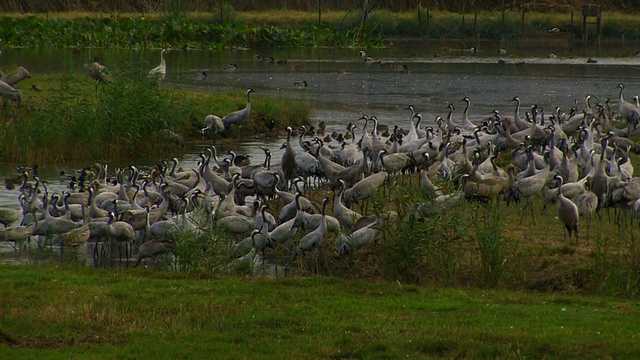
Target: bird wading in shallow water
[{"x": 159, "y": 72}]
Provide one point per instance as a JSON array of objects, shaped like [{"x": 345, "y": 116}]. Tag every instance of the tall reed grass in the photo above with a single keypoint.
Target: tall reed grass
[
  {"x": 69, "y": 121},
  {"x": 179, "y": 28}
]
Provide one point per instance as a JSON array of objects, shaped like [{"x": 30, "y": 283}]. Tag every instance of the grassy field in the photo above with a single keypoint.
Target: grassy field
[
  {"x": 472, "y": 281},
  {"x": 66, "y": 312}
]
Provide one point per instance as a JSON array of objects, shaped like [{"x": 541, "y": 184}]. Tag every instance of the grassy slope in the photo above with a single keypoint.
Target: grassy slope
[{"x": 87, "y": 313}]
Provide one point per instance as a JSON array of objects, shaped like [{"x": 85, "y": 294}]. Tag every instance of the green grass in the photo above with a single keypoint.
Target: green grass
[
  {"x": 66, "y": 312},
  {"x": 69, "y": 121}
]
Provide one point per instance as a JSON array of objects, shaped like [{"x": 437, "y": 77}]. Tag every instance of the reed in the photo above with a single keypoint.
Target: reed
[
  {"x": 70, "y": 122},
  {"x": 181, "y": 28},
  {"x": 300, "y": 5}
]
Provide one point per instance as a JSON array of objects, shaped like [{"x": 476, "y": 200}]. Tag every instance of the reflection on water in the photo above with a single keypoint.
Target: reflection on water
[{"x": 341, "y": 87}]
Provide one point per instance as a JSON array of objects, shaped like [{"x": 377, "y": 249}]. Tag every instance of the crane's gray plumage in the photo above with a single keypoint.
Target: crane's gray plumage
[
  {"x": 212, "y": 121},
  {"x": 567, "y": 210},
  {"x": 17, "y": 233},
  {"x": 526, "y": 188},
  {"x": 360, "y": 238},
  {"x": 9, "y": 216},
  {"x": 9, "y": 93},
  {"x": 313, "y": 240},
  {"x": 364, "y": 188},
  {"x": 628, "y": 111},
  {"x": 238, "y": 117},
  {"x": 345, "y": 216},
  {"x": 97, "y": 71},
  {"x": 153, "y": 248},
  {"x": 16, "y": 76}
]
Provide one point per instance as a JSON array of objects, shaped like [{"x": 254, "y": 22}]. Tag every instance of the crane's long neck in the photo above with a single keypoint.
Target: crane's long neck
[
  {"x": 559, "y": 187},
  {"x": 450, "y": 119},
  {"x": 465, "y": 114},
  {"x": 412, "y": 125},
  {"x": 266, "y": 161},
  {"x": 364, "y": 129},
  {"x": 302, "y": 133},
  {"x": 620, "y": 96},
  {"x": 173, "y": 168}
]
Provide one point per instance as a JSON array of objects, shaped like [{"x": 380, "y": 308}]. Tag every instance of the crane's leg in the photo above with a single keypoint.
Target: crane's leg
[{"x": 530, "y": 205}]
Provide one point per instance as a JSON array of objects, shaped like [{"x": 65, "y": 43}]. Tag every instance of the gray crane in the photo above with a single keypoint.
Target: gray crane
[
  {"x": 526, "y": 188},
  {"x": 287, "y": 161},
  {"x": 9, "y": 93},
  {"x": 600, "y": 179},
  {"x": 394, "y": 163},
  {"x": 153, "y": 248},
  {"x": 345, "y": 216},
  {"x": 97, "y": 72},
  {"x": 16, "y": 76},
  {"x": 364, "y": 189},
  {"x": 353, "y": 173},
  {"x": 8, "y": 215},
  {"x": 54, "y": 225},
  {"x": 238, "y": 117},
  {"x": 466, "y": 123},
  {"x": 308, "y": 166},
  {"x": 212, "y": 121},
  {"x": 17, "y": 233},
  {"x": 567, "y": 210},
  {"x": 313, "y": 240},
  {"x": 283, "y": 232},
  {"x": 159, "y": 72},
  {"x": 587, "y": 203},
  {"x": 360, "y": 238},
  {"x": 628, "y": 111}
]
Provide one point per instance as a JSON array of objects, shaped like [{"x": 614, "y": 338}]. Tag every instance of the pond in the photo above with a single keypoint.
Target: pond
[{"x": 342, "y": 87}]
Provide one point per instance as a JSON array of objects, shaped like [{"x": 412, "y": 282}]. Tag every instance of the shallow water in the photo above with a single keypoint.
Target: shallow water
[{"x": 342, "y": 87}]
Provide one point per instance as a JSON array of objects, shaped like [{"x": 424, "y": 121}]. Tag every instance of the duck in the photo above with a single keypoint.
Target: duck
[
  {"x": 364, "y": 57},
  {"x": 229, "y": 67},
  {"x": 300, "y": 84}
]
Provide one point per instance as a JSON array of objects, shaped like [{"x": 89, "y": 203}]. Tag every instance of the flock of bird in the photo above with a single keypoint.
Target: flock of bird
[{"x": 577, "y": 159}]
